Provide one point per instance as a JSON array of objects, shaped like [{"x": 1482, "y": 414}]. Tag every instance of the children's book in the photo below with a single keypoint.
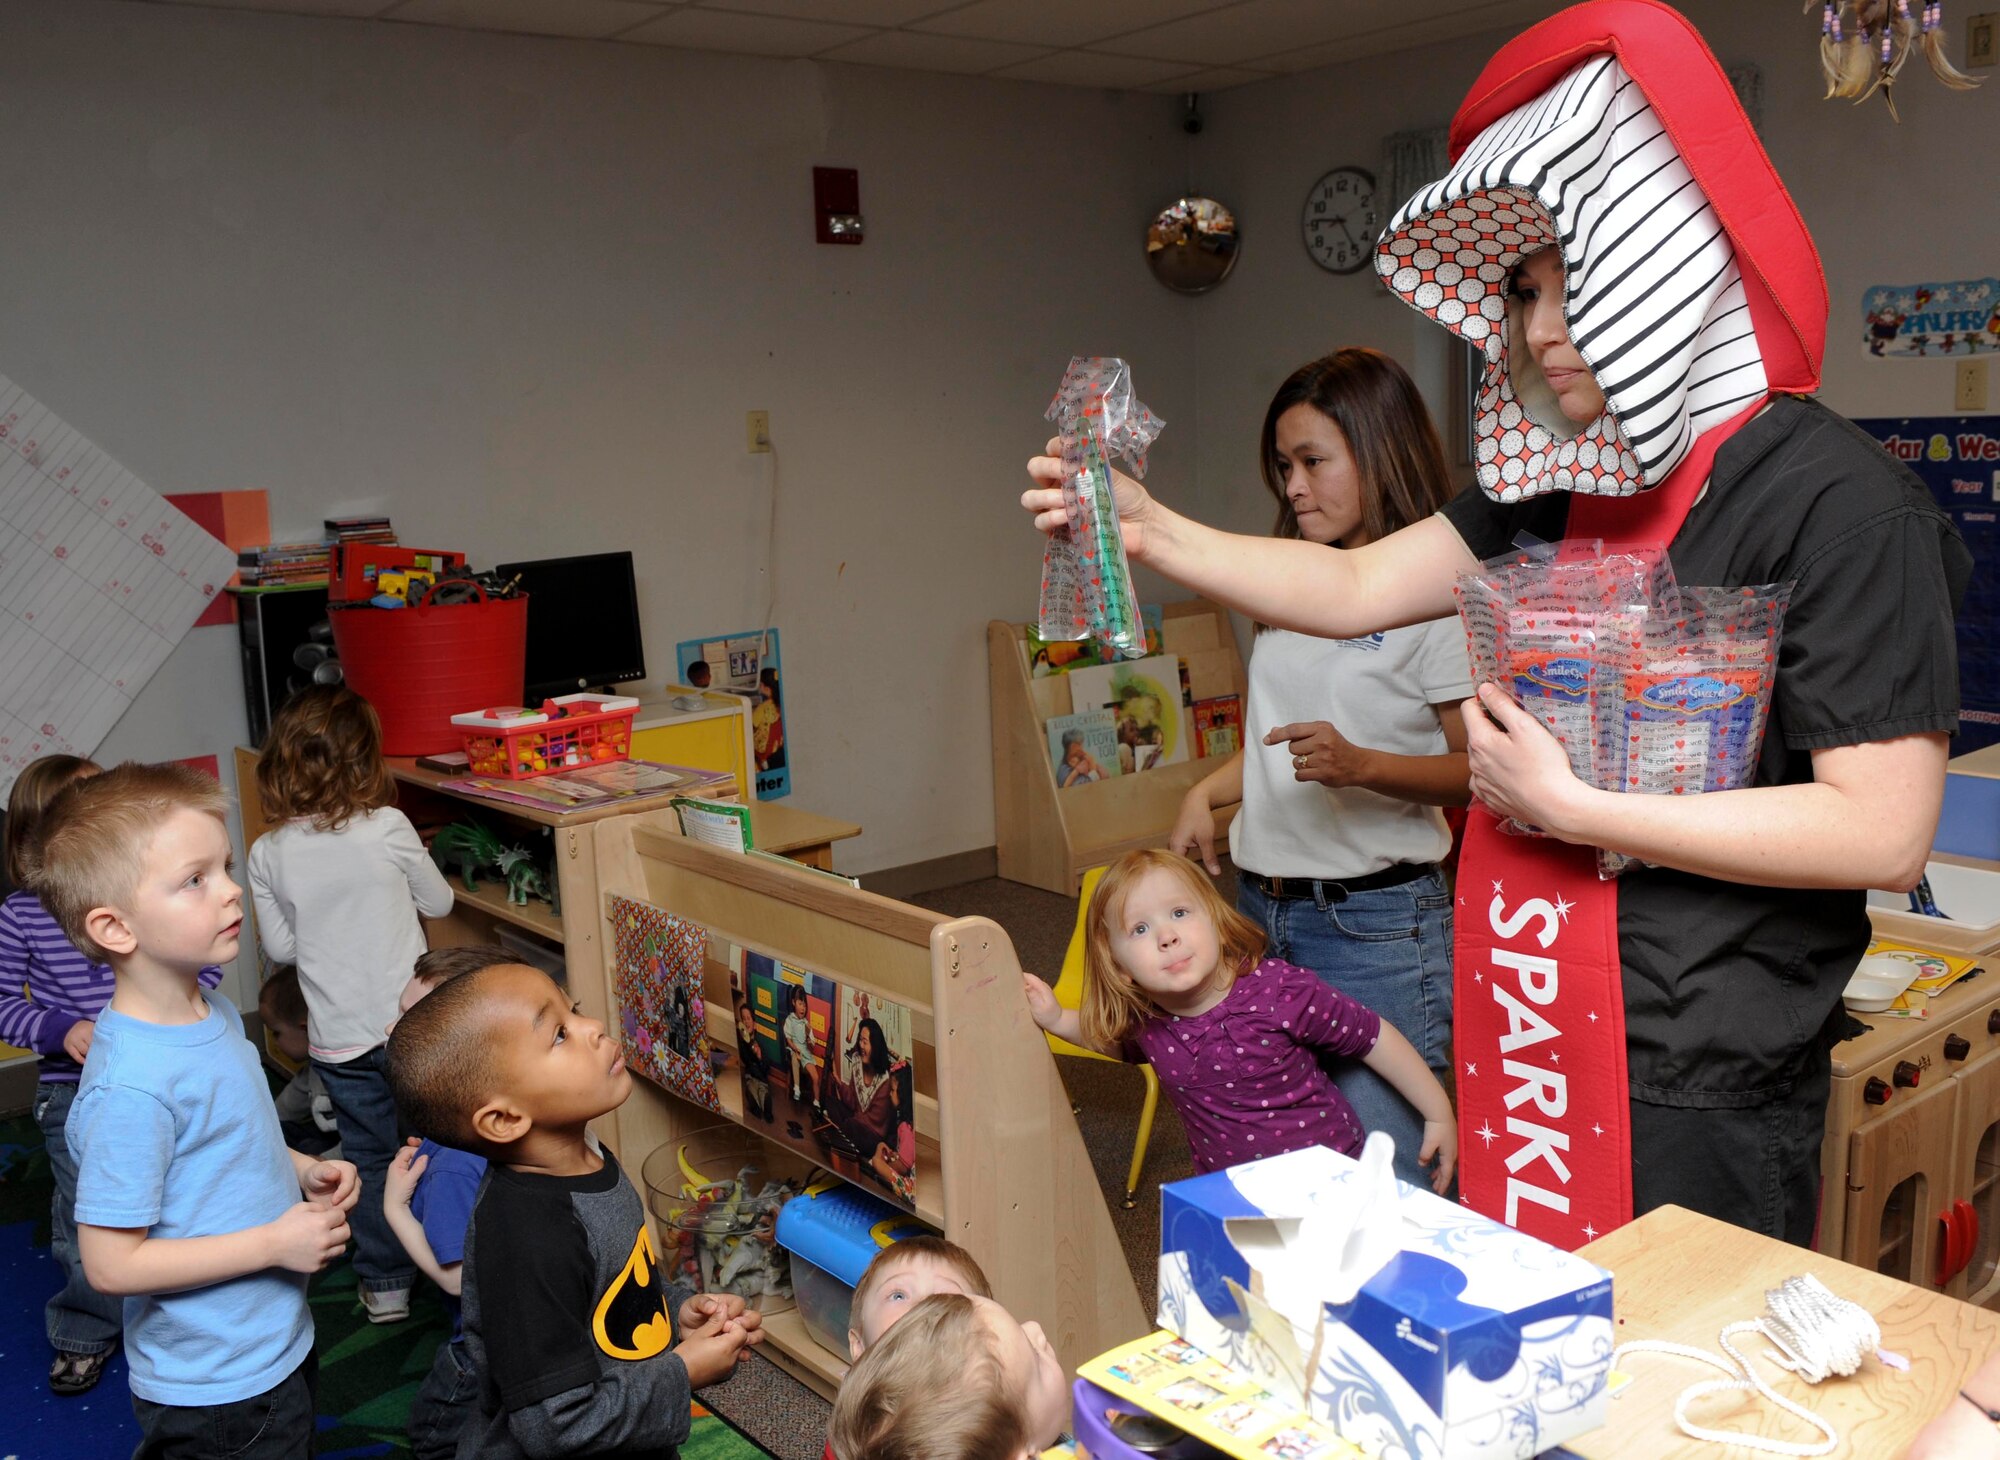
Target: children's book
[
  {"x": 721, "y": 824},
  {"x": 657, "y": 971},
  {"x": 1936, "y": 972},
  {"x": 1218, "y": 725},
  {"x": 1083, "y": 748},
  {"x": 1169, "y": 1377},
  {"x": 1144, "y": 696}
]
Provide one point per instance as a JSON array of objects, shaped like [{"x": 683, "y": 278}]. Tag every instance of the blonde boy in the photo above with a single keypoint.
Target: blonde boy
[
  {"x": 956, "y": 1378},
  {"x": 188, "y": 1204},
  {"x": 901, "y": 1276}
]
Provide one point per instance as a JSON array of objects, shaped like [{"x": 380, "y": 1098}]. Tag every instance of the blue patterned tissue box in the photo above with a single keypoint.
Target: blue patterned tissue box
[{"x": 1472, "y": 1342}]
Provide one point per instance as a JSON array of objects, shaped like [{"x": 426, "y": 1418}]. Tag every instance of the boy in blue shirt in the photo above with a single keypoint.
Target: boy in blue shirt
[
  {"x": 427, "y": 1198},
  {"x": 188, "y": 1204}
]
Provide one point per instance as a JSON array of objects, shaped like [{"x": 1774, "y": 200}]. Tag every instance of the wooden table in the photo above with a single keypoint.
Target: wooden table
[
  {"x": 804, "y": 836},
  {"x": 1682, "y": 1277}
]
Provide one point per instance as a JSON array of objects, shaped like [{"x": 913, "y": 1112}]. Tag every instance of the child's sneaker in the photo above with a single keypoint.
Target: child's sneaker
[{"x": 390, "y": 1305}]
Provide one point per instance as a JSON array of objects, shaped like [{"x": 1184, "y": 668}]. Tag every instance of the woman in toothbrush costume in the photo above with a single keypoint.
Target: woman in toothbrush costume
[{"x": 1652, "y": 314}]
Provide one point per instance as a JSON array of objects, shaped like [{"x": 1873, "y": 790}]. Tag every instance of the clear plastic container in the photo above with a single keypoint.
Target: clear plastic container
[
  {"x": 825, "y": 1303},
  {"x": 717, "y": 1194}
]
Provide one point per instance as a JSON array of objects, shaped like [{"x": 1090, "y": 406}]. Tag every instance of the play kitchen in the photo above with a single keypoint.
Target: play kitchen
[{"x": 1912, "y": 1154}]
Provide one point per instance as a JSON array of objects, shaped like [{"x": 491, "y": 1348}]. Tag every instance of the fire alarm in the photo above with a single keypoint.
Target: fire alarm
[{"x": 837, "y": 205}]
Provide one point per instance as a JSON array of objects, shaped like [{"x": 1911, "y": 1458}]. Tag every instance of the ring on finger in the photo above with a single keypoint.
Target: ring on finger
[{"x": 1299, "y": 762}]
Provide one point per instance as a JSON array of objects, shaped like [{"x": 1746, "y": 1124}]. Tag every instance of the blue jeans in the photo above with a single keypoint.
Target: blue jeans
[
  {"x": 365, "y": 1111},
  {"x": 447, "y": 1403},
  {"x": 279, "y": 1424},
  {"x": 1389, "y": 948},
  {"x": 81, "y": 1320}
]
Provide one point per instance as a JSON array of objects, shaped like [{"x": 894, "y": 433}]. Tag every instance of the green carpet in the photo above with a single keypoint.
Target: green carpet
[{"x": 368, "y": 1373}]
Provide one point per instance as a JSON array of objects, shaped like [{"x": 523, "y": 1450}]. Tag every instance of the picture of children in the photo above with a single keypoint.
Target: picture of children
[
  {"x": 803, "y": 1063},
  {"x": 1079, "y": 766},
  {"x": 756, "y": 1068},
  {"x": 895, "y": 1163},
  {"x": 767, "y": 723}
]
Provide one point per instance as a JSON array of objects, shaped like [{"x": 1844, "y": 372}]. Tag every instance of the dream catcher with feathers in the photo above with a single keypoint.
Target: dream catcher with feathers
[{"x": 1864, "y": 43}]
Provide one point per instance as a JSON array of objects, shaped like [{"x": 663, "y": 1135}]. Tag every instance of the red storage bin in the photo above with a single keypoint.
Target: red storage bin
[{"x": 419, "y": 666}]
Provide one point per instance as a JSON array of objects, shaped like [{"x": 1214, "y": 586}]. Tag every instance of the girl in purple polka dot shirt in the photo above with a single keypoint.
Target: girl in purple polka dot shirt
[{"x": 1174, "y": 976}]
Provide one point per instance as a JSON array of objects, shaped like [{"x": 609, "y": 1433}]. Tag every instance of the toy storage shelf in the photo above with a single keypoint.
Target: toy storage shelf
[
  {"x": 1047, "y": 837},
  {"x": 491, "y": 899},
  {"x": 1002, "y": 1168}
]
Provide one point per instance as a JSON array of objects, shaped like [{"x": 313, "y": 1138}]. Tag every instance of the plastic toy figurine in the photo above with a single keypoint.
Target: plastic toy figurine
[
  {"x": 468, "y": 846},
  {"x": 527, "y": 878}
]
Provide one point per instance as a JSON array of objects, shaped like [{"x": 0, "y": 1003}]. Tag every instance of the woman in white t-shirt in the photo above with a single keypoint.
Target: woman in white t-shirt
[{"x": 1351, "y": 745}]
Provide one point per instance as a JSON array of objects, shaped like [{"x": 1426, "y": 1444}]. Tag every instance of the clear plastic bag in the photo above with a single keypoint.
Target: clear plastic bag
[
  {"x": 1086, "y": 580},
  {"x": 1651, "y": 688}
]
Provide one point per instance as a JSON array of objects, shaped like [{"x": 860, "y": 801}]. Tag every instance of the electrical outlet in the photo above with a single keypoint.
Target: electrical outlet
[
  {"x": 1969, "y": 392},
  {"x": 757, "y": 424}
]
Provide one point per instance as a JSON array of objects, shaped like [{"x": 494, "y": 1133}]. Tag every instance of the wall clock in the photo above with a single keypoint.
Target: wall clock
[{"x": 1342, "y": 220}]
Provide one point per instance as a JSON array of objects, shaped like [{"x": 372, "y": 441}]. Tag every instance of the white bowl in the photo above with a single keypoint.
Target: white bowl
[{"x": 1878, "y": 981}]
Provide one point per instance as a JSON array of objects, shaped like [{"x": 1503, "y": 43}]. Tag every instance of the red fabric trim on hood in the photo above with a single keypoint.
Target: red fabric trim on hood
[{"x": 1662, "y": 51}]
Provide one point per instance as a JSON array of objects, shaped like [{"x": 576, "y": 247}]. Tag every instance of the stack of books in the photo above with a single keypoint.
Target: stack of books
[
  {"x": 359, "y": 529},
  {"x": 281, "y": 563}
]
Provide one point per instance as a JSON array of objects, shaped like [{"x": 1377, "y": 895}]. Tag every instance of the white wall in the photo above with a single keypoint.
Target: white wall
[{"x": 520, "y": 292}]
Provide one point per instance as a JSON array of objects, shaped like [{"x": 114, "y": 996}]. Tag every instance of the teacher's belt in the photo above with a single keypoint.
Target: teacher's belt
[{"x": 1330, "y": 889}]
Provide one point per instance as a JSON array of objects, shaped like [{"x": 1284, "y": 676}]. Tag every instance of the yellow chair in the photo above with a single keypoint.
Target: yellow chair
[{"x": 1069, "y": 994}]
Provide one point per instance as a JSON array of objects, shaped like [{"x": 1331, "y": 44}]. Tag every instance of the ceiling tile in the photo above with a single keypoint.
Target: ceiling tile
[
  {"x": 1228, "y": 36},
  {"x": 589, "y": 19},
  {"x": 933, "y": 52},
  {"x": 1216, "y": 78},
  {"x": 1363, "y": 40},
  {"x": 1083, "y": 68},
  {"x": 846, "y": 12},
  {"x": 1060, "y": 22},
  {"x": 746, "y": 35},
  {"x": 363, "y": 8}
]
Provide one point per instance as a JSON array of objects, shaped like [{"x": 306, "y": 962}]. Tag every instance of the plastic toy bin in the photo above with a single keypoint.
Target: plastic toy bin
[
  {"x": 717, "y": 1198},
  {"x": 517, "y": 744},
  {"x": 833, "y": 1231}
]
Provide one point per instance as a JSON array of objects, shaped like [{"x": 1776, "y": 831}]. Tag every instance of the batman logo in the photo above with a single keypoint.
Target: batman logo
[{"x": 631, "y": 1320}]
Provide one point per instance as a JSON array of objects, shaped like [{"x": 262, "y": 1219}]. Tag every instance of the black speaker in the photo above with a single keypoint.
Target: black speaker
[{"x": 287, "y": 645}]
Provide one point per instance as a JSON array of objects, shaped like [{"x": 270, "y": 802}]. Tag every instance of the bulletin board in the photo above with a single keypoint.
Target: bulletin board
[
  {"x": 1958, "y": 458},
  {"x": 100, "y": 577}
]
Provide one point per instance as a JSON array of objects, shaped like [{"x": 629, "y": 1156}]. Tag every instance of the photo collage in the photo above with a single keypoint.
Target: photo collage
[{"x": 826, "y": 1069}]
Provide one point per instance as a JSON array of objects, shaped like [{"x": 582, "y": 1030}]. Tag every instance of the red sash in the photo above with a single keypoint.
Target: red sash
[{"x": 1538, "y": 1021}]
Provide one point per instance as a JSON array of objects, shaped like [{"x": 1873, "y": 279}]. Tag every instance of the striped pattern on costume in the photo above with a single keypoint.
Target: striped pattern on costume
[{"x": 1653, "y": 296}]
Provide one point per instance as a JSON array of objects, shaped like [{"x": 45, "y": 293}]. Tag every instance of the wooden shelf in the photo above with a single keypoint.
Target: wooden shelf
[
  {"x": 790, "y": 1346},
  {"x": 491, "y": 899},
  {"x": 1001, "y": 1164},
  {"x": 1048, "y": 838}
]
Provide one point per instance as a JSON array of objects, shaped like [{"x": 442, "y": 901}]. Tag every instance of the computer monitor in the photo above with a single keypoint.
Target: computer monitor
[{"x": 583, "y": 623}]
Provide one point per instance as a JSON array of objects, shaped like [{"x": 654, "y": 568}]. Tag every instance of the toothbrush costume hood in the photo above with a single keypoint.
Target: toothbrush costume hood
[
  {"x": 1694, "y": 295},
  {"x": 1692, "y": 289}
]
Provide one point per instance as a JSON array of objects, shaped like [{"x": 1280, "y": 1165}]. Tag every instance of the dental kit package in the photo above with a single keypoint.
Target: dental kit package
[
  {"x": 1650, "y": 687},
  {"x": 1086, "y": 581}
]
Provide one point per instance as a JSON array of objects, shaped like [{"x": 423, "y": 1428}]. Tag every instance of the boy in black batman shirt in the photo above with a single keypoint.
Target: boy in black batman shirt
[{"x": 584, "y": 1349}]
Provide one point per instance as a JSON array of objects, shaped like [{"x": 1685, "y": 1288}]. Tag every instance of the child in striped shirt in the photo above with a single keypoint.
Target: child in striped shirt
[{"x": 50, "y": 997}]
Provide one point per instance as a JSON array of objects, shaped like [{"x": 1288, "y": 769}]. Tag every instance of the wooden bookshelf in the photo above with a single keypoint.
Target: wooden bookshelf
[
  {"x": 1048, "y": 837},
  {"x": 1001, "y": 1166}
]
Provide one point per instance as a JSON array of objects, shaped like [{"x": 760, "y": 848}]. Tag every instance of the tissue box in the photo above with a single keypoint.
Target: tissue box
[{"x": 1473, "y": 1342}]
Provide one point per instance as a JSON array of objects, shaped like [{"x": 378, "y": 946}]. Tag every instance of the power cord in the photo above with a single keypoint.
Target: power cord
[{"x": 1817, "y": 1334}]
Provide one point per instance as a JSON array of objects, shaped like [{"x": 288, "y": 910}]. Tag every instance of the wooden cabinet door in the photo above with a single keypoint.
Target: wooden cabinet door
[
  {"x": 1900, "y": 1176},
  {"x": 1978, "y": 1176}
]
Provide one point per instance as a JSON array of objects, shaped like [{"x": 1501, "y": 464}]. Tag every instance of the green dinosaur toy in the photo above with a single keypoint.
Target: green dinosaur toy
[
  {"x": 468, "y": 846},
  {"x": 526, "y": 878}
]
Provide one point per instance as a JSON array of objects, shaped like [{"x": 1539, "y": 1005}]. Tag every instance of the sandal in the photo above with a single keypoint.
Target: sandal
[{"x": 76, "y": 1373}]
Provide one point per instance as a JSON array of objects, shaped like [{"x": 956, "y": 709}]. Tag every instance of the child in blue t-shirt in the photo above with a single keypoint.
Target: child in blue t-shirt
[
  {"x": 188, "y": 1205},
  {"x": 427, "y": 1198}
]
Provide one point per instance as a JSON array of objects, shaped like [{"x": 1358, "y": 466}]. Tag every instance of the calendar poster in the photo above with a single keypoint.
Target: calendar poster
[{"x": 100, "y": 577}]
